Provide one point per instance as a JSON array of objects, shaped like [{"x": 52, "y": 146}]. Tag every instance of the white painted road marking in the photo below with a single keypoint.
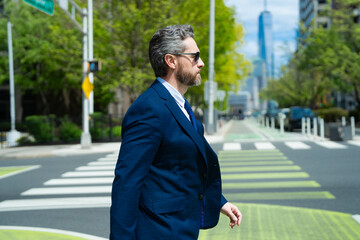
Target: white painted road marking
[
  {"x": 357, "y": 218},
  {"x": 331, "y": 145},
  {"x": 101, "y": 163},
  {"x": 66, "y": 190},
  {"x": 95, "y": 168},
  {"x": 297, "y": 145},
  {"x": 29, "y": 168},
  {"x": 264, "y": 146},
  {"x": 88, "y": 174},
  {"x": 54, "y": 203},
  {"x": 231, "y": 146},
  {"x": 79, "y": 181},
  {"x": 356, "y": 143}
]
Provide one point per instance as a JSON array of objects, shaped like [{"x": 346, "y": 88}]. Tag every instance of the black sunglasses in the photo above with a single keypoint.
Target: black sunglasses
[{"x": 196, "y": 58}]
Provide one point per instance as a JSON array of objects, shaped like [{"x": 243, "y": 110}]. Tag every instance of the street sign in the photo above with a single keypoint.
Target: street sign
[
  {"x": 87, "y": 86},
  {"x": 47, "y": 6}
]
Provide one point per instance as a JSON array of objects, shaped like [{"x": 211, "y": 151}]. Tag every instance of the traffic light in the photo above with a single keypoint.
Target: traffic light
[{"x": 94, "y": 66}]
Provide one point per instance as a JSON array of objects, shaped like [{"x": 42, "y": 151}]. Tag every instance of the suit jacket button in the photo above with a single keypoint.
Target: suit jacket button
[
  {"x": 204, "y": 175},
  {"x": 201, "y": 196}
]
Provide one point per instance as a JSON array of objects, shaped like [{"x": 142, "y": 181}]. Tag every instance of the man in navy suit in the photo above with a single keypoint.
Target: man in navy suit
[{"x": 167, "y": 179}]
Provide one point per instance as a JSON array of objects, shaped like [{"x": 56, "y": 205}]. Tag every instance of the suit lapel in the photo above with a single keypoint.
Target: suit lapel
[{"x": 171, "y": 104}]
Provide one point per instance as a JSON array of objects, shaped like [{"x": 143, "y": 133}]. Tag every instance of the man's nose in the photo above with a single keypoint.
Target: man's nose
[{"x": 200, "y": 63}]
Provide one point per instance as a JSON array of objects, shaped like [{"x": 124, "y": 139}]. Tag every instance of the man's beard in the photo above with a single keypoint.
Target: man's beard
[{"x": 187, "y": 78}]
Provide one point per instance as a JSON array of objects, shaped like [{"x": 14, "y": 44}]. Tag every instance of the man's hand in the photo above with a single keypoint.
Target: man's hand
[{"x": 233, "y": 213}]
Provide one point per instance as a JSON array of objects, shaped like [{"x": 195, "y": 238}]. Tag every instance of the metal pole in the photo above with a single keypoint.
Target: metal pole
[
  {"x": 11, "y": 77},
  {"x": 91, "y": 52},
  {"x": 85, "y": 136},
  {"x": 315, "y": 127},
  {"x": 308, "y": 126},
  {"x": 211, "y": 127},
  {"x": 303, "y": 126},
  {"x": 352, "y": 123},
  {"x": 282, "y": 116},
  {"x": 322, "y": 129},
  {"x": 13, "y": 135}
]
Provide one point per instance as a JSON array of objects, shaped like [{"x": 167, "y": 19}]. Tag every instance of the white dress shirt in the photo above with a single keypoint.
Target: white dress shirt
[{"x": 179, "y": 99}]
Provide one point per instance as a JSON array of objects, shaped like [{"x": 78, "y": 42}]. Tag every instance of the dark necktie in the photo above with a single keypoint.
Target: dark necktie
[{"x": 191, "y": 114}]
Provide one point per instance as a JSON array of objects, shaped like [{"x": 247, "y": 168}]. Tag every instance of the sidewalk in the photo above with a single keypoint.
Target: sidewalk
[
  {"x": 75, "y": 149},
  {"x": 56, "y": 150}
]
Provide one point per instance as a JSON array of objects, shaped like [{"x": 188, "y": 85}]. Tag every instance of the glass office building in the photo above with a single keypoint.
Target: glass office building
[{"x": 266, "y": 42}]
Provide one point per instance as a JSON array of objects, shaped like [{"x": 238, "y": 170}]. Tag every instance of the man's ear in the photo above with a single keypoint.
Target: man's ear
[{"x": 170, "y": 61}]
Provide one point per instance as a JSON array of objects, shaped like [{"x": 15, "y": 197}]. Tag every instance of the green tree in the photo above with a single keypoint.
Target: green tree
[
  {"x": 48, "y": 49},
  {"x": 326, "y": 61}
]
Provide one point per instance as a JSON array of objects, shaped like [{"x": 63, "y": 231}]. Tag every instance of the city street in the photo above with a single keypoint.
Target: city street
[{"x": 288, "y": 186}]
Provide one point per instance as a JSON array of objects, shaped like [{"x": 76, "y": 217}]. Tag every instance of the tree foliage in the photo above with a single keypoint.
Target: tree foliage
[
  {"x": 48, "y": 49},
  {"x": 327, "y": 60}
]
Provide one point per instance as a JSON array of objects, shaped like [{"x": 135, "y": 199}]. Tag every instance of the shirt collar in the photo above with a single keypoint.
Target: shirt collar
[{"x": 174, "y": 93}]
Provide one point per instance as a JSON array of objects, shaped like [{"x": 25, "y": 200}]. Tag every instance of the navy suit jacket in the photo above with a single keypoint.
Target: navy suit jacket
[{"x": 167, "y": 179}]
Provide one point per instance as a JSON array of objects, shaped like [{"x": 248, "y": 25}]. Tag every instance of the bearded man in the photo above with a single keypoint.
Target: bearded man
[{"x": 167, "y": 179}]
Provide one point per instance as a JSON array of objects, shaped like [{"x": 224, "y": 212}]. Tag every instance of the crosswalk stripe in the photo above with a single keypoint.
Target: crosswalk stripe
[
  {"x": 356, "y": 143},
  {"x": 247, "y": 158},
  {"x": 231, "y": 146},
  {"x": 88, "y": 174},
  {"x": 260, "y": 169},
  {"x": 79, "y": 181},
  {"x": 94, "y": 168},
  {"x": 264, "y": 146},
  {"x": 279, "y": 196},
  {"x": 331, "y": 145},
  {"x": 251, "y": 152},
  {"x": 297, "y": 145},
  {"x": 54, "y": 203},
  {"x": 67, "y": 190},
  {"x": 283, "y": 184},
  {"x": 252, "y": 163},
  {"x": 275, "y": 175},
  {"x": 107, "y": 159},
  {"x": 101, "y": 163}
]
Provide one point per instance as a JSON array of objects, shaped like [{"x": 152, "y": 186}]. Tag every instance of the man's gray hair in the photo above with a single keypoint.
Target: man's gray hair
[{"x": 165, "y": 41}]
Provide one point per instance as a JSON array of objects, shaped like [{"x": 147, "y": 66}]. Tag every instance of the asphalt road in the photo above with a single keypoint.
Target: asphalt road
[{"x": 337, "y": 171}]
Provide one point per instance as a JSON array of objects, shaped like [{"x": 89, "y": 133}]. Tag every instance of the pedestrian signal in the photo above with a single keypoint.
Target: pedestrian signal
[{"x": 94, "y": 66}]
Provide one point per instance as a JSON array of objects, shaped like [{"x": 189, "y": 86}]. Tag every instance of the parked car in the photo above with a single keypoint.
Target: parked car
[{"x": 293, "y": 118}]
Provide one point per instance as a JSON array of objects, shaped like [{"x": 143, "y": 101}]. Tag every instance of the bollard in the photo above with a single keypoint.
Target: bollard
[
  {"x": 282, "y": 123},
  {"x": 315, "y": 127},
  {"x": 343, "y": 121},
  {"x": 321, "y": 128},
  {"x": 267, "y": 124},
  {"x": 352, "y": 123},
  {"x": 303, "y": 126},
  {"x": 272, "y": 123},
  {"x": 308, "y": 126}
]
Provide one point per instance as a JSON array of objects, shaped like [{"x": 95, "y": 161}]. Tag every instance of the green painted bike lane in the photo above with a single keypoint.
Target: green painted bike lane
[
  {"x": 253, "y": 175},
  {"x": 250, "y": 130}
]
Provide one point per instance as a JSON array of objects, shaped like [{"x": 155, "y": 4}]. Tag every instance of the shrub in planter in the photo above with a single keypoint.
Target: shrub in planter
[
  {"x": 69, "y": 131},
  {"x": 39, "y": 128},
  {"x": 332, "y": 114}
]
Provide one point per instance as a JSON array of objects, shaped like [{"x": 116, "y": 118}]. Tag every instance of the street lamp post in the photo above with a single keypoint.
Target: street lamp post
[
  {"x": 91, "y": 52},
  {"x": 211, "y": 124},
  {"x": 13, "y": 135},
  {"x": 85, "y": 135}
]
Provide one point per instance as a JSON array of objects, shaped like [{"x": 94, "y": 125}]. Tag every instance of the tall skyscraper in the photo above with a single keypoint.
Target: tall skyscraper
[
  {"x": 265, "y": 41},
  {"x": 312, "y": 12}
]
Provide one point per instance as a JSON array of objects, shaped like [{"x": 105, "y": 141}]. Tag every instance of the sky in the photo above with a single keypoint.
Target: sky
[{"x": 285, "y": 16}]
